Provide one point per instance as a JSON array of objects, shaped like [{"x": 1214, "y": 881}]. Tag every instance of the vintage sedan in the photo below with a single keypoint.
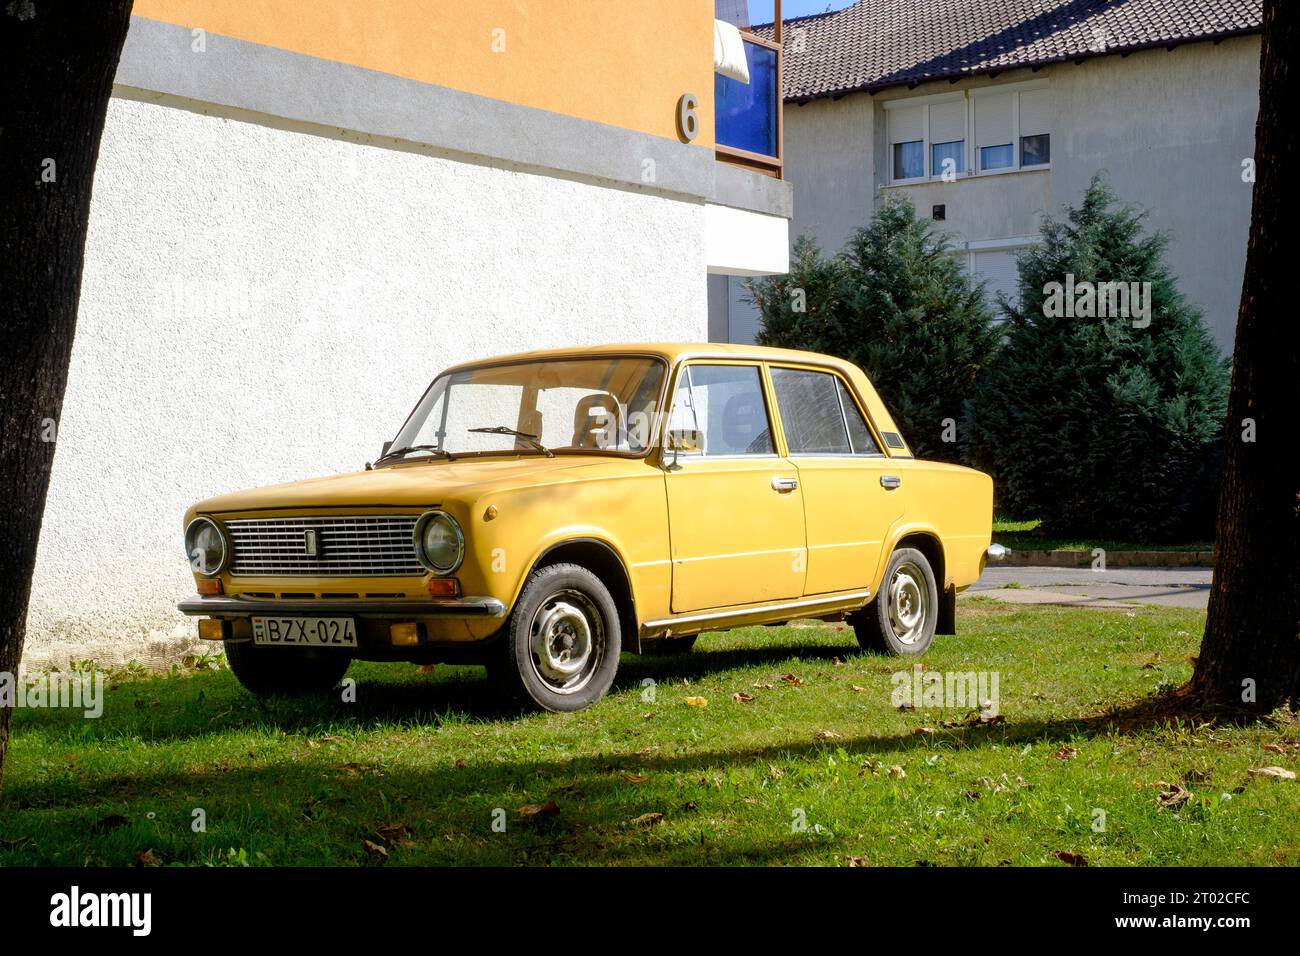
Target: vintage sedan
[{"x": 543, "y": 513}]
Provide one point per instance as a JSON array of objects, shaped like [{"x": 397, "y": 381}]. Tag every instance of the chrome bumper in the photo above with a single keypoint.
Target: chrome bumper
[{"x": 199, "y": 606}]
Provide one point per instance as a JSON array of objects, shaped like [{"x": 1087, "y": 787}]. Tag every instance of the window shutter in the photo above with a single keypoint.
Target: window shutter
[
  {"x": 1035, "y": 117},
  {"x": 906, "y": 125},
  {"x": 993, "y": 119},
  {"x": 948, "y": 121}
]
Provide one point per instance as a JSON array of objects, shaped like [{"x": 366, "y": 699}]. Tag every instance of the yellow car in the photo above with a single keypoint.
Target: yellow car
[{"x": 543, "y": 513}]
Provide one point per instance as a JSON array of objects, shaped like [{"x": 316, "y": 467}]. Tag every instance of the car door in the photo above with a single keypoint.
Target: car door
[
  {"x": 735, "y": 509},
  {"x": 850, "y": 489}
]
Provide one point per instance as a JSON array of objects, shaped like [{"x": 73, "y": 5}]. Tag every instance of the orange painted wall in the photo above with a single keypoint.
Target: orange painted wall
[{"x": 622, "y": 62}]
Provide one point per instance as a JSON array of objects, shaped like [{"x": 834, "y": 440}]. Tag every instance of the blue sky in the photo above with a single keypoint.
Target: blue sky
[{"x": 760, "y": 11}]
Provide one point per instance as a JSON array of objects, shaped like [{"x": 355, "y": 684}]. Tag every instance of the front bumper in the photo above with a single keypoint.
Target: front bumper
[{"x": 227, "y": 606}]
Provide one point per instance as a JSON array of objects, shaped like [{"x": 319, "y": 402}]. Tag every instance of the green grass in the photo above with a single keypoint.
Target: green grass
[
  {"x": 420, "y": 763},
  {"x": 1027, "y": 536}
]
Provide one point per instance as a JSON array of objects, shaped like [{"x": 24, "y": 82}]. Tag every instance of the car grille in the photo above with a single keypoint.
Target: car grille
[{"x": 368, "y": 546}]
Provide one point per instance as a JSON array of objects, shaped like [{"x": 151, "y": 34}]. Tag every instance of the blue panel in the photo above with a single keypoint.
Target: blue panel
[{"x": 746, "y": 112}]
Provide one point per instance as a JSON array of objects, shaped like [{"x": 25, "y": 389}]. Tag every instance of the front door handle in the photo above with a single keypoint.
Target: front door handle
[
  {"x": 890, "y": 481},
  {"x": 784, "y": 485}
]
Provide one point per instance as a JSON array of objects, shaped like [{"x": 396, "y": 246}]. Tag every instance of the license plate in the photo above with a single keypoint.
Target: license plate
[{"x": 305, "y": 631}]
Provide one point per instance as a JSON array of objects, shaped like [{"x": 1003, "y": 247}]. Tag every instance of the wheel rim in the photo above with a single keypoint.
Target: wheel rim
[
  {"x": 909, "y": 603},
  {"x": 566, "y": 641}
]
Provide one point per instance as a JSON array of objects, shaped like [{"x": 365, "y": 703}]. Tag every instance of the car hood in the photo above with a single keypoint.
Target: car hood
[{"x": 414, "y": 484}]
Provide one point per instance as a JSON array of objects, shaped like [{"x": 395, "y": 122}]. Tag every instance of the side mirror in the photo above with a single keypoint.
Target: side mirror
[{"x": 384, "y": 451}]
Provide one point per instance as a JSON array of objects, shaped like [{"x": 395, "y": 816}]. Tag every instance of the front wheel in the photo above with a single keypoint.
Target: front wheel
[
  {"x": 902, "y": 619},
  {"x": 562, "y": 643}
]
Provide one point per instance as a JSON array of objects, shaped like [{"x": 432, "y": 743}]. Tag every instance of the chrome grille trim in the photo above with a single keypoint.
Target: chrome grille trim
[{"x": 357, "y": 546}]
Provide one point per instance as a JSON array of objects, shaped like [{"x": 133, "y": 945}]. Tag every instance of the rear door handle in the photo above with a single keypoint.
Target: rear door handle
[
  {"x": 784, "y": 485},
  {"x": 890, "y": 481}
]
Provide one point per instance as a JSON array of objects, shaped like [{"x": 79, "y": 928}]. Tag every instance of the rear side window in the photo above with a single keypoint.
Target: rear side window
[{"x": 819, "y": 415}]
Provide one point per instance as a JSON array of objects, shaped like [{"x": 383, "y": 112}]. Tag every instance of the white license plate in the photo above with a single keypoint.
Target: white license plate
[{"x": 305, "y": 631}]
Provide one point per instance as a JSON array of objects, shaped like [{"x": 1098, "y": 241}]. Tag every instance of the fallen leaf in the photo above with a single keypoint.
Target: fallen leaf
[
  {"x": 858, "y": 690},
  {"x": 828, "y": 735},
  {"x": 741, "y": 697},
  {"x": 1281, "y": 773},
  {"x": 635, "y": 777},
  {"x": 835, "y": 661},
  {"x": 775, "y": 772},
  {"x": 752, "y": 801},
  {"x": 857, "y": 860},
  {"x": 647, "y": 820},
  {"x": 460, "y": 763},
  {"x": 146, "y": 858},
  {"x": 1065, "y": 753},
  {"x": 374, "y": 849},
  {"x": 394, "y": 834},
  {"x": 897, "y": 771},
  {"x": 791, "y": 680},
  {"x": 1172, "y": 795},
  {"x": 427, "y": 669},
  {"x": 530, "y": 810},
  {"x": 1073, "y": 859},
  {"x": 907, "y": 705},
  {"x": 697, "y": 701},
  {"x": 647, "y": 715},
  {"x": 923, "y": 730},
  {"x": 1275, "y": 748},
  {"x": 762, "y": 687}
]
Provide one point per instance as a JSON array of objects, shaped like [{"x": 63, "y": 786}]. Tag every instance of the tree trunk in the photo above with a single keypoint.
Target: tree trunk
[
  {"x": 1250, "y": 655},
  {"x": 58, "y": 64}
]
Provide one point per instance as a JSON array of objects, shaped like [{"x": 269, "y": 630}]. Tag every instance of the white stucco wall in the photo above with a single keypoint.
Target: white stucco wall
[{"x": 262, "y": 304}]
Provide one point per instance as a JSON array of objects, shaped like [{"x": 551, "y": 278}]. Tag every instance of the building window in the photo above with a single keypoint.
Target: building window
[
  {"x": 990, "y": 129},
  {"x": 1035, "y": 150},
  {"x": 909, "y": 160},
  {"x": 945, "y": 157}
]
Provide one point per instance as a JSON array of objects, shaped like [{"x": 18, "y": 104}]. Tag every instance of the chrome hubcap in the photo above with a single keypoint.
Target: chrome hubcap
[
  {"x": 909, "y": 603},
  {"x": 565, "y": 639}
]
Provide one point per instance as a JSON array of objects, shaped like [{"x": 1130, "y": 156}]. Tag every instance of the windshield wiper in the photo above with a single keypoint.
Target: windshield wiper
[
  {"x": 396, "y": 452},
  {"x": 502, "y": 430}
]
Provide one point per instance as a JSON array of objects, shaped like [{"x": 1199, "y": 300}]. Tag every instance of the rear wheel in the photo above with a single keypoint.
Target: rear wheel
[
  {"x": 902, "y": 619},
  {"x": 279, "y": 670},
  {"x": 561, "y": 644}
]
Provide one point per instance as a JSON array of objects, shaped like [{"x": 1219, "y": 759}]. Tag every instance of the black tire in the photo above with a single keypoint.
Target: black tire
[
  {"x": 280, "y": 670},
  {"x": 902, "y": 619},
  {"x": 560, "y": 647},
  {"x": 667, "y": 646}
]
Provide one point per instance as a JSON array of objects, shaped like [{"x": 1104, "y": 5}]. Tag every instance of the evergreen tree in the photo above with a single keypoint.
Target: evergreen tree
[
  {"x": 1102, "y": 424},
  {"x": 900, "y": 305}
]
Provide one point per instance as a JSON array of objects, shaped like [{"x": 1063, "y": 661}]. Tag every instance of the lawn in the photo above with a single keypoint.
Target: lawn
[
  {"x": 1028, "y": 536},
  {"x": 820, "y": 767}
]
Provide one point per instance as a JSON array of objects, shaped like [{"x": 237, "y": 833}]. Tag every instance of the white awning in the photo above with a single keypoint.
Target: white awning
[{"x": 729, "y": 51}]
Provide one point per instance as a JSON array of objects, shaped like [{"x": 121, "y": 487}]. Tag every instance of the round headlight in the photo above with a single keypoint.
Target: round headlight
[
  {"x": 205, "y": 546},
  {"x": 439, "y": 544}
]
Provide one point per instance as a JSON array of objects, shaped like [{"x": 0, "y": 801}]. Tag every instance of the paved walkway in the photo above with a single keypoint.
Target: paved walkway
[{"x": 1082, "y": 587}]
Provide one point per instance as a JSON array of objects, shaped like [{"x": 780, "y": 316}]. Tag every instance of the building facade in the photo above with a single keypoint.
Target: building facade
[
  {"x": 990, "y": 115},
  {"x": 303, "y": 211}
]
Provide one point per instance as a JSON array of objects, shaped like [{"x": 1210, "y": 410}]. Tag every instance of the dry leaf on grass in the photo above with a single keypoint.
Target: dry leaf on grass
[
  {"x": 828, "y": 735},
  {"x": 1073, "y": 859},
  {"x": 857, "y": 860},
  {"x": 146, "y": 858},
  {"x": 741, "y": 697},
  {"x": 697, "y": 701},
  {"x": 791, "y": 680},
  {"x": 1280, "y": 773},
  {"x": 897, "y": 771},
  {"x": 635, "y": 777},
  {"x": 1065, "y": 753},
  {"x": 374, "y": 849},
  {"x": 858, "y": 690},
  {"x": 762, "y": 686},
  {"x": 923, "y": 730},
  {"x": 647, "y": 820},
  {"x": 531, "y": 810},
  {"x": 1172, "y": 795}
]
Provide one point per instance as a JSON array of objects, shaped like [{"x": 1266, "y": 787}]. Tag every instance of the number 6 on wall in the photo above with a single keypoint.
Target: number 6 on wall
[{"x": 688, "y": 124}]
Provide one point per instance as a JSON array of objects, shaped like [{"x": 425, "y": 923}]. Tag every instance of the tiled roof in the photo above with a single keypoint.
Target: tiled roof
[{"x": 876, "y": 44}]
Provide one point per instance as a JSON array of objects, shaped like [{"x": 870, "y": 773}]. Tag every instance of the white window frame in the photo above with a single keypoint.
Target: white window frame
[{"x": 971, "y": 150}]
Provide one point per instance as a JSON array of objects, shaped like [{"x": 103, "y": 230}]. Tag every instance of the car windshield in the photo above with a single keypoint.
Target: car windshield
[{"x": 598, "y": 405}]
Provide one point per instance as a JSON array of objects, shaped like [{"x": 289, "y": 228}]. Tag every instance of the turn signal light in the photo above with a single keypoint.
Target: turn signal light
[
  {"x": 444, "y": 587},
  {"x": 210, "y": 586},
  {"x": 404, "y": 635},
  {"x": 213, "y": 629}
]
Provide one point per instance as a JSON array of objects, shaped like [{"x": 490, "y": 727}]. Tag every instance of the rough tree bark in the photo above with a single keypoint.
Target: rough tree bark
[
  {"x": 58, "y": 60},
  {"x": 1251, "y": 646}
]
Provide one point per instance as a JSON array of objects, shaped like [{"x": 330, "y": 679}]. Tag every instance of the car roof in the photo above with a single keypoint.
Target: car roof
[{"x": 671, "y": 351}]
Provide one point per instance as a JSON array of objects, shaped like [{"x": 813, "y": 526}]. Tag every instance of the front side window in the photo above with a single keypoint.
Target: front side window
[
  {"x": 590, "y": 406},
  {"x": 948, "y": 158},
  {"x": 1035, "y": 150},
  {"x": 1002, "y": 156},
  {"x": 719, "y": 411}
]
